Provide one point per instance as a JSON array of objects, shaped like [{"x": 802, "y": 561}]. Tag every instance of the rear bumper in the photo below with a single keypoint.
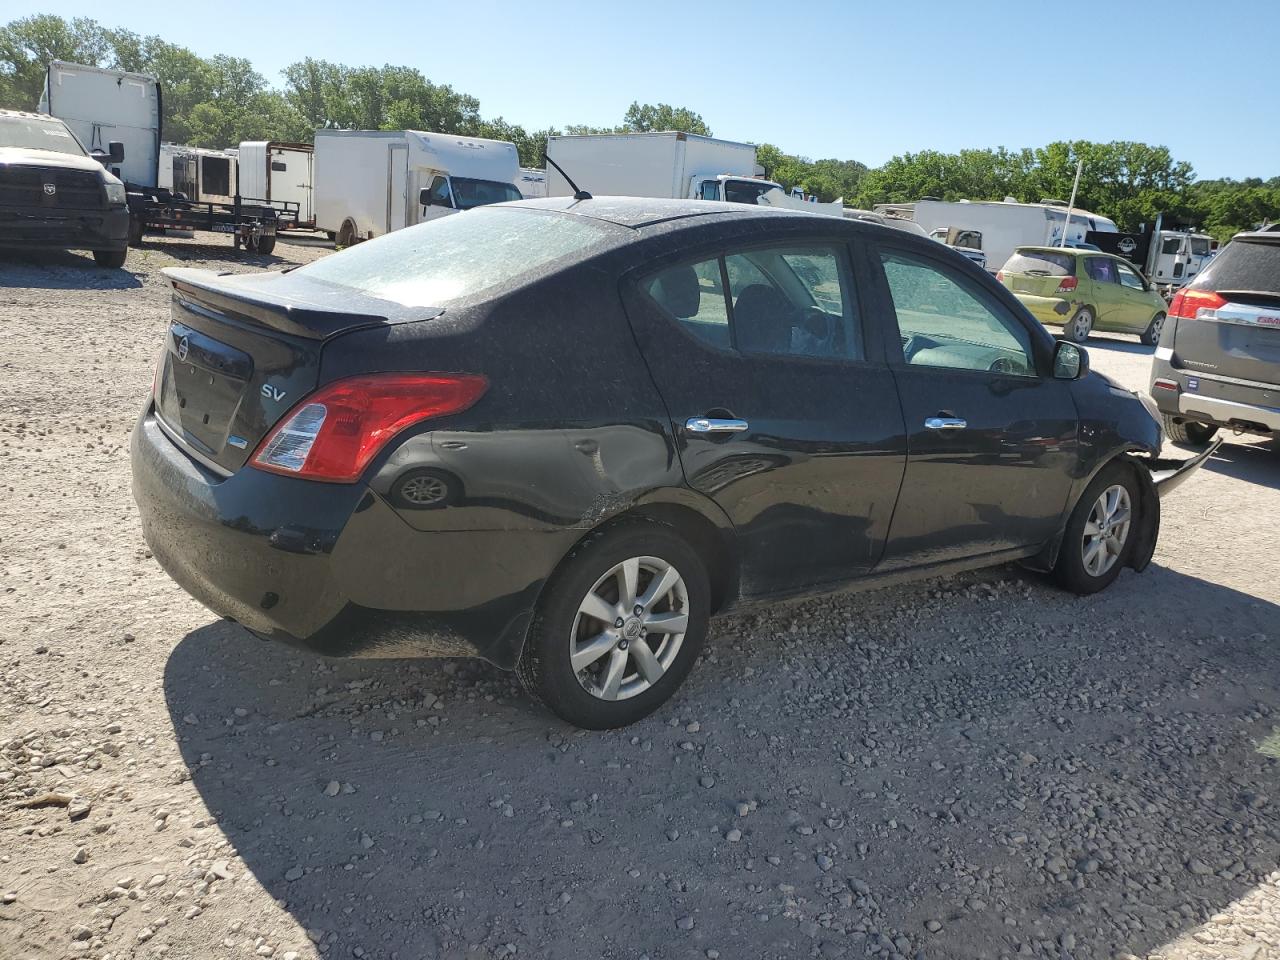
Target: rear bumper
[
  {"x": 1203, "y": 398},
  {"x": 329, "y": 567},
  {"x": 1054, "y": 310},
  {"x": 38, "y": 228}
]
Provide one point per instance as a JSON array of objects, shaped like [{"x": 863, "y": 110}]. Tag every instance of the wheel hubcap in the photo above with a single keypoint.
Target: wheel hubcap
[
  {"x": 629, "y": 628},
  {"x": 1106, "y": 530},
  {"x": 422, "y": 490}
]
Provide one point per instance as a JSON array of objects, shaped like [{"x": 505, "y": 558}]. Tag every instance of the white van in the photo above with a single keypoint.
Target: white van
[{"x": 370, "y": 182}]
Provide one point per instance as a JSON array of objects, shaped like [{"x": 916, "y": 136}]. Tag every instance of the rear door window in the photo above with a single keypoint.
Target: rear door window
[
  {"x": 1101, "y": 270},
  {"x": 793, "y": 300}
]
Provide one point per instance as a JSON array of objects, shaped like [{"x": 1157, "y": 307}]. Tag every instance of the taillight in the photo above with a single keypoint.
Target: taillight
[
  {"x": 1187, "y": 304},
  {"x": 334, "y": 433},
  {"x": 1067, "y": 284},
  {"x": 1162, "y": 384}
]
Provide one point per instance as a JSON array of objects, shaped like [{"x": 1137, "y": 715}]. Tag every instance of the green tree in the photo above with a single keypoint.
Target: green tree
[{"x": 643, "y": 118}]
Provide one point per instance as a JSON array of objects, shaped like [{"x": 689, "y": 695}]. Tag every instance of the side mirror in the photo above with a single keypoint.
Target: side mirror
[
  {"x": 424, "y": 196},
  {"x": 115, "y": 151},
  {"x": 1070, "y": 361}
]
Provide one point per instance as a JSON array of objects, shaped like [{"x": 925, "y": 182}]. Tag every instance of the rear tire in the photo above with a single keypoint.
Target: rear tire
[
  {"x": 346, "y": 234},
  {"x": 1079, "y": 326},
  {"x": 1101, "y": 532},
  {"x": 111, "y": 259},
  {"x": 1188, "y": 431},
  {"x": 589, "y": 670},
  {"x": 266, "y": 245},
  {"x": 1151, "y": 336}
]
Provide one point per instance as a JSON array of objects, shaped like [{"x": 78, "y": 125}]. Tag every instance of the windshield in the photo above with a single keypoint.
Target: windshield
[
  {"x": 1041, "y": 263},
  {"x": 455, "y": 257},
  {"x": 747, "y": 191},
  {"x": 32, "y": 133},
  {"x": 468, "y": 193}
]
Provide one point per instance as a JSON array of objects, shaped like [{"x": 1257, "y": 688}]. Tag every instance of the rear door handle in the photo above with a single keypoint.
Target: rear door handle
[
  {"x": 713, "y": 425},
  {"x": 945, "y": 423}
]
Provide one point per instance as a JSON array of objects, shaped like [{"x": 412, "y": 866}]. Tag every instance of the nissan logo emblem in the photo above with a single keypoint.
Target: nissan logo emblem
[{"x": 184, "y": 347}]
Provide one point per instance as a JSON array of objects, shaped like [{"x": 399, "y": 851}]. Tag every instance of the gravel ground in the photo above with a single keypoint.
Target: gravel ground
[{"x": 977, "y": 767}]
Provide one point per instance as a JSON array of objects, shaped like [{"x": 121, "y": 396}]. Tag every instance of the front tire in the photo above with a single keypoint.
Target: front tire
[
  {"x": 1188, "y": 431},
  {"x": 1080, "y": 326},
  {"x": 111, "y": 259},
  {"x": 1151, "y": 336},
  {"x": 618, "y": 628},
  {"x": 1100, "y": 533}
]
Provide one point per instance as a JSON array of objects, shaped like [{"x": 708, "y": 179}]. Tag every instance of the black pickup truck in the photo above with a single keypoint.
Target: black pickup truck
[{"x": 55, "y": 195}]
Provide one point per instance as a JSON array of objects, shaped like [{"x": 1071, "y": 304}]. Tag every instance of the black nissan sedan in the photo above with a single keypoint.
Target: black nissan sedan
[{"x": 561, "y": 434}]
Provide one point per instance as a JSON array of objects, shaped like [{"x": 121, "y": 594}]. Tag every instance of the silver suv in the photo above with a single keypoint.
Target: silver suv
[{"x": 1218, "y": 360}]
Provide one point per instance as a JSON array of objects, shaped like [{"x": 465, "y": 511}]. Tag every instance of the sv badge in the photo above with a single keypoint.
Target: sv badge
[{"x": 272, "y": 393}]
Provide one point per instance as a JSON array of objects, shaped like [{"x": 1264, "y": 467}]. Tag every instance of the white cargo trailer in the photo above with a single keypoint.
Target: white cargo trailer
[
  {"x": 671, "y": 165},
  {"x": 370, "y": 182},
  {"x": 281, "y": 173},
  {"x": 1002, "y": 225},
  {"x": 101, "y": 106}
]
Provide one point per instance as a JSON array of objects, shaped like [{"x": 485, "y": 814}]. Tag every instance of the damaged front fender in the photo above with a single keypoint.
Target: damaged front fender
[{"x": 1157, "y": 476}]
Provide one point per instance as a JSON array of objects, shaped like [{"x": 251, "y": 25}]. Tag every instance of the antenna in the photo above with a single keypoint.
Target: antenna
[{"x": 578, "y": 194}]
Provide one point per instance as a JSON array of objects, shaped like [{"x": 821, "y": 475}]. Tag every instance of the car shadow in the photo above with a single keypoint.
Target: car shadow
[
  {"x": 1250, "y": 459},
  {"x": 62, "y": 270},
  {"x": 1114, "y": 344},
  {"x": 901, "y": 762}
]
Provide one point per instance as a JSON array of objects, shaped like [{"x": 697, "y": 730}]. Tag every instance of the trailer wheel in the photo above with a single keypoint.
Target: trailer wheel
[
  {"x": 266, "y": 244},
  {"x": 346, "y": 234},
  {"x": 135, "y": 230}
]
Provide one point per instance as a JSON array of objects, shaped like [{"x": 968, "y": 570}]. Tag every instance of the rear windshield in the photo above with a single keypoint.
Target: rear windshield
[
  {"x": 1041, "y": 263},
  {"x": 32, "y": 134},
  {"x": 746, "y": 191},
  {"x": 1243, "y": 265},
  {"x": 457, "y": 256}
]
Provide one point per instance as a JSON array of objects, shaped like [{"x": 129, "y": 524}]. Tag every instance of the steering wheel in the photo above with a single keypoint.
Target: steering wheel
[{"x": 1002, "y": 365}]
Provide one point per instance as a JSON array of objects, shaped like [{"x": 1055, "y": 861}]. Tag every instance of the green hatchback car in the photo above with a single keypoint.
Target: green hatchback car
[{"x": 1084, "y": 290}]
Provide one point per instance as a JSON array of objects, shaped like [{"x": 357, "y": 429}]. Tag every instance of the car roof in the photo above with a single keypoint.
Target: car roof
[
  {"x": 1258, "y": 236},
  {"x": 1074, "y": 252},
  {"x": 639, "y": 212},
  {"x": 28, "y": 115}
]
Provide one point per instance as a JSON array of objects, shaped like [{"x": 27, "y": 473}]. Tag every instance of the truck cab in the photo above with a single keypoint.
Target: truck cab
[
  {"x": 446, "y": 194},
  {"x": 55, "y": 195}
]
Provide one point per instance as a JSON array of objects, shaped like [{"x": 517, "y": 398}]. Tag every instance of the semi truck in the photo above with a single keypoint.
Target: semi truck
[
  {"x": 671, "y": 165},
  {"x": 106, "y": 108},
  {"x": 997, "y": 227},
  {"x": 371, "y": 182}
]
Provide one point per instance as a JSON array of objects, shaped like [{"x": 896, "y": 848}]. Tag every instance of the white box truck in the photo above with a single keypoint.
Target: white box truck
[
  {"x": 105, "y": 105},
  {"x": 532, "y": 182},
  {"x": 672, "y": 165},
  {"x": 998, "y": 226},
  {"x": 280, "y": 172},
  {"x": 370, "y": 182}
]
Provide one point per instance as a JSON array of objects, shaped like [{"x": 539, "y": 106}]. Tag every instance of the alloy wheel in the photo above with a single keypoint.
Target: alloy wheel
[
  {"x": 1106, "y": 530},
  {"x": 629, "y": 628},
  {"x": 424, "y": 490}
]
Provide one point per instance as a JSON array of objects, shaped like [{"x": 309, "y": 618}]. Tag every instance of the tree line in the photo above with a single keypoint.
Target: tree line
[{"x": 221, "y": 100}]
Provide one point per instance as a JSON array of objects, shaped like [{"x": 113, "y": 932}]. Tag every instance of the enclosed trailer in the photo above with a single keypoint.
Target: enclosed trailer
[
  {"x": 105, "y": 105},
  {"x": 275, "y": 170},
  {"x": 370, "y": 182},
  {"x": 532, "y": 182}
]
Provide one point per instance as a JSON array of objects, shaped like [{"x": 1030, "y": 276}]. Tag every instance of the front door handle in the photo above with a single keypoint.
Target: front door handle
[
  {"x": 714, "y": 425},
  {"x": 945, "y": 423}
]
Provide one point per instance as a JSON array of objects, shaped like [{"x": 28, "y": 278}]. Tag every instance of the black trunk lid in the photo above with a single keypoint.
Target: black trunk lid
[{"x": 242, "y": 350}]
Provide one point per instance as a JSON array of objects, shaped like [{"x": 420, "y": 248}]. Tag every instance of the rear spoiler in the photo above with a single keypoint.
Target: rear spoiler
[{"x": 294, "y": 306}]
